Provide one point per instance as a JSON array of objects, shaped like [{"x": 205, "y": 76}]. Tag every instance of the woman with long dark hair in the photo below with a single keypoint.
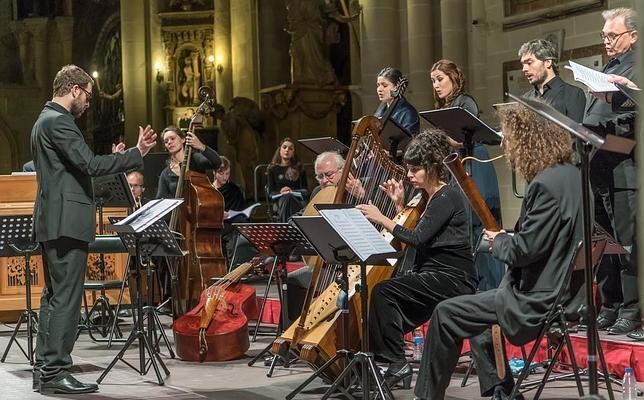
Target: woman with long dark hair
[
  {"x": 287, "y": 181},
  {"x": 390, "y": 79}
]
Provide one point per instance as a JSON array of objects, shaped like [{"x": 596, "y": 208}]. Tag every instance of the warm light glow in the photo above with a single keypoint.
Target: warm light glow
[
  {"x": 211, "y": 59},
  {"x": 95, "y": 74},
  {"x": 219, "y": 58},
  {"x": 157, "y": 66}
]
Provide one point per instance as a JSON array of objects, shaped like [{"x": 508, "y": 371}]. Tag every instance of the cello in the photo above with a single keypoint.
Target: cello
[
  {"x": 217, "y": 328},
  {"x": 200, "y": 220}
]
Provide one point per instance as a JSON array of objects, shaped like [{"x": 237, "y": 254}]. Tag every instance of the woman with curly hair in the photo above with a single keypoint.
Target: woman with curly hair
[
  {"x": 287, "y": 181},
  {"x": 538, "y": 256},
  {"x": 448, "y": 82},
  {"x": 443, "y": 265}
]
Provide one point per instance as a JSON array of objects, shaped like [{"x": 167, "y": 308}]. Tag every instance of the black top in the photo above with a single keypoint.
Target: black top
[
  {"x": 441, "y": 237},
  {"x": 405, "y": 115},
  {"x": 277, "y": 180},
  {"x": 563, "y": 97},
  {"x": 233, "y": 197},
  {"x": 466, "y": 102},
  {"x": 199, "y": 162}
]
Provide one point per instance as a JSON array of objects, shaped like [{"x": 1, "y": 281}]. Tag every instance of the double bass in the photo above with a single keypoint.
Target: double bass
[{"x": 200, "y": 221}]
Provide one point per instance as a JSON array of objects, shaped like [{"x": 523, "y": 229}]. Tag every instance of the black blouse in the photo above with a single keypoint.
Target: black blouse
[
  {"x": 277, "y": 180},
  {"x": 199, "y": 162},
  {"x": 441, "y": 237},
  {"x": 233, "y": 197}
]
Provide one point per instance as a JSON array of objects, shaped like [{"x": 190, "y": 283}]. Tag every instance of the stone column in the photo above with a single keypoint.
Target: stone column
[
  {"x": 39, "y": 29},
  {"x": 243, "y": 45},
  {"x": 223, "y": 56},
  {"x": 454, "y": 28},
  {"x": 380, "y": 47},
  {"x": 135, "y": 85},
  {"x": 65, "y": 27},
  {"x": 421, "y": 53}
]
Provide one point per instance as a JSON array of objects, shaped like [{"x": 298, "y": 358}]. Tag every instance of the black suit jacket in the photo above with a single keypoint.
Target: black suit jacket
[
  {"x": 64, "y": 167},
  {"x": 611, "y": 168},
  {"x": 539, "y": 253}
]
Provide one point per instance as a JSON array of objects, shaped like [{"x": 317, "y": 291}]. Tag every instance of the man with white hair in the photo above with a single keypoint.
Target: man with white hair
[{"x": 613, "y": 178}]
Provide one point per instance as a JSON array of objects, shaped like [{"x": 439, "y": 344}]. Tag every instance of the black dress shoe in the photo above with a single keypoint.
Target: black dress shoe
[
  {"x": 604, "y": 323},
  {"x": 637, "y": 334},
  {"x": 397, "y": 373},
  {"x": 67, "y": 384},
  {"x": 623, "y": 326}
]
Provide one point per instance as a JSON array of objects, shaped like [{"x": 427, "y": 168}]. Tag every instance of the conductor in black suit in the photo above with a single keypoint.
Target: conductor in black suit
[
  {"x": 65, "y": 220},
  {"x": 537, "y": 256}
]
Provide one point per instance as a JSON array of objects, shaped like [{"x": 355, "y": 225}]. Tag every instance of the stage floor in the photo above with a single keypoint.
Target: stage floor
[{"x": 229, "y": 380}]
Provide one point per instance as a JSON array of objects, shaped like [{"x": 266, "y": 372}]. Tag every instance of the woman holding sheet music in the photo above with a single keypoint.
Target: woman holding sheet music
[
  {"x": 287, "y": 181},
  {"x": 448, "y": 82},
  {"x": 443, "y": 265}
]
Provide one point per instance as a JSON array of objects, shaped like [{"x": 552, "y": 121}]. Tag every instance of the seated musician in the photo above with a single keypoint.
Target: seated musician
[
  {"x": 537, "y": 256},
  {"x": 443, "y": 267},
  {"x": 233, "y": 200},
  {"x": 328, "y": 171},
  {"x": 203, "y": 158},
  {"x": 287, "y": 180},
  {"x": 135, "y": 180}
]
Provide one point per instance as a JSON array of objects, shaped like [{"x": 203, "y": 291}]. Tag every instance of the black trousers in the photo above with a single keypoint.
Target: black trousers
[
  {"x": 400, "y": 304},
  {"x": 453, "y": 320},
  {"x": 64, "y": 264},
  {"x": 617, "y": 274}
]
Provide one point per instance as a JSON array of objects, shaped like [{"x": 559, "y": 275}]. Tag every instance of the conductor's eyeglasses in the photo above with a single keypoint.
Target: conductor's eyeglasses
[{"x": 612, "y": 37}]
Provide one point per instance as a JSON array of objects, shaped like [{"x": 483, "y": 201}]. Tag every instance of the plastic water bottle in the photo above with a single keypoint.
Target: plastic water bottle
[
  {"x": 629, "y": 385},
  {"x": 418, "y": 344}
]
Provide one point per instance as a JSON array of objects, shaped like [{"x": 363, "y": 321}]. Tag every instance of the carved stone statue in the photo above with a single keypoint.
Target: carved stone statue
[{"x": 309, "y": 57}]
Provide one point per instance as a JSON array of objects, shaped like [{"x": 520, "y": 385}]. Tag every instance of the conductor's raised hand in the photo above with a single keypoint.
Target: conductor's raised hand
[
  {"x": 147, "y": 140},
  {"x": 117, "y": 148},
  {"x": 193, "y": 141}
]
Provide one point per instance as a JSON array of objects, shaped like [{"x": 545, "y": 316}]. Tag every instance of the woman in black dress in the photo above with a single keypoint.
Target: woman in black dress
[
  {"x": 287, "y": 181},
  {"x": 443, "y": 265},
  {"x": 203, "y": 158}
]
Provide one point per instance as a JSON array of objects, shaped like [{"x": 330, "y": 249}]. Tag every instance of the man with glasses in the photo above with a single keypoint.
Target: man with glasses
[
  {"x": 613, "y": 179},
  {"x": 328, "y": 170},
  {"x": 135, "y": 180},
  {"x": 65, "y": 220}
]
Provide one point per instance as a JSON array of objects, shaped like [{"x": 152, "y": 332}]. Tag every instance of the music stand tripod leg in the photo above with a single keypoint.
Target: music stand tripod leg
[
  {"x": 139, "y": 333},
  {"x": 264, "y": 297}
]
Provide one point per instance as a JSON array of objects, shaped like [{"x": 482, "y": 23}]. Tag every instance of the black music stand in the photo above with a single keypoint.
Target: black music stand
[
  {"x": 587, "y": 142},
  {"x": 322, "y": 144},
  {"x": 349, "y": 247},
  {"x": 16, "y": 240},
  {"x": 109, "y": 191},
  {"x": 463, "y": 127},
  {"x": 395, "y": 137},
  {"x": 280, "y": 240},
  {"x": 144, "y": 233}
]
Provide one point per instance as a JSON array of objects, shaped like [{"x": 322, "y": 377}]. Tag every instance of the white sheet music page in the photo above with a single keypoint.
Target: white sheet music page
[
  {"x": 363, "y": 238},
  {"x": 149, "y": 213},
  {"x": 595, "y": 80}
]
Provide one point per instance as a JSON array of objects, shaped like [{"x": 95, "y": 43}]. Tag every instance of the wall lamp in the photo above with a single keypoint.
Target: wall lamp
[{"x": 159, "y": 77}]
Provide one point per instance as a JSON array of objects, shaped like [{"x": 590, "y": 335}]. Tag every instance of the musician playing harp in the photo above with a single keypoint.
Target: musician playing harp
[{"x": 443, "y": 266}]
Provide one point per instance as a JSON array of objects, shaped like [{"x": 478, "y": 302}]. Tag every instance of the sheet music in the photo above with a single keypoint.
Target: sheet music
[
  {"x": 357, "y": 232},
  {"x": 246, "y": 211},
  {"x": 149, "y": 213},
  {"x": 595, "y": 80}
]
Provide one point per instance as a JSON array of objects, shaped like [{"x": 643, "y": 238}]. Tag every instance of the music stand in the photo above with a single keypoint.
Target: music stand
[
  {"x": 145, "y": 233},
  {"x": 280, "y": 240},
  {"x": 587, "y": 141},
  {"x": 16, "y": 240},
  {"x": 109, "y": 191},
  {"x": 323, "y": 144},
  {"x": 394, "y": 136}
]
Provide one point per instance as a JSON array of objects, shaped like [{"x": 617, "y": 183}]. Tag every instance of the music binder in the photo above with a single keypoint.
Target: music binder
[{"x": 462, "y": 126}]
